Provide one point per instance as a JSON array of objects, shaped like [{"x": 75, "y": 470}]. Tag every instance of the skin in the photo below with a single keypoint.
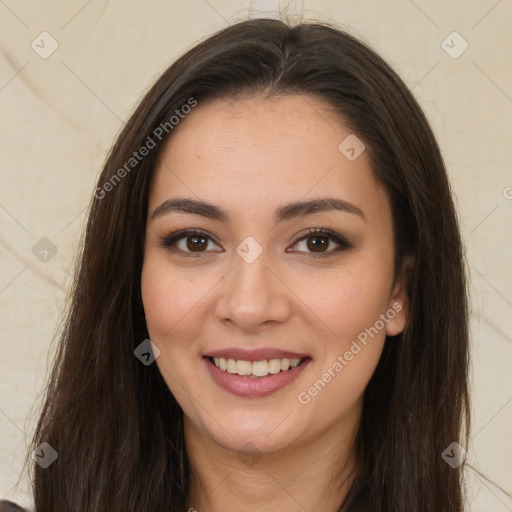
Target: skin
[{"x": 249, "y": 156}]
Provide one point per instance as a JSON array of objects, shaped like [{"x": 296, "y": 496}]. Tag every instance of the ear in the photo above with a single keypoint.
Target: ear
[{"x": 398, "y": 306}]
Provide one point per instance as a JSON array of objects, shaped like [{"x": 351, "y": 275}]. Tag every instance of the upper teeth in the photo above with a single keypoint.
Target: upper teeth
[{"x": 256, "y": 368}]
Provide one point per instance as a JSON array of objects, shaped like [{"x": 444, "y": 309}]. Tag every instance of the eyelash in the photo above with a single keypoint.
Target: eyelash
[{"x": 343, "y": 244}]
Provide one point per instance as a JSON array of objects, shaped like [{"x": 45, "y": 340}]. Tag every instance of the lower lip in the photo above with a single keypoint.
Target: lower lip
[{"x": 254, "y": 388}]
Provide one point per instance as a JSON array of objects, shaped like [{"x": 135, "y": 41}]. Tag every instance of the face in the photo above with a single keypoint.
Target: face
[{"x": 290, "y": 296}]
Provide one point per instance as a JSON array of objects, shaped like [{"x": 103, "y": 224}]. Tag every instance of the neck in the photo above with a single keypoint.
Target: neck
[{"x": 313, "y": 476}]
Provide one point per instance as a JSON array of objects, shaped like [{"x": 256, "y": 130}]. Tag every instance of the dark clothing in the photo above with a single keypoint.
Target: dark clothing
[{"x": 9, "y": 506}]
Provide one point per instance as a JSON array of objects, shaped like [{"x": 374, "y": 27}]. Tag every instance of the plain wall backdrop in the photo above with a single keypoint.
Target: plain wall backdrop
[{"x": 71, "y": 72}]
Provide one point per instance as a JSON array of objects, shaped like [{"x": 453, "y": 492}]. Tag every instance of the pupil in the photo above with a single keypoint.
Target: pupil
[{"x": 321, "y": 245}]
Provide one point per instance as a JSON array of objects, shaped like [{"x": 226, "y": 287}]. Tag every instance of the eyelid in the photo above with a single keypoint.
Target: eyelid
[{"x": 310, "y": 232}]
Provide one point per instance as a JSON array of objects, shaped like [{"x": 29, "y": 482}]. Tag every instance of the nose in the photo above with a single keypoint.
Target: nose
[{"x": 253, "y": 296}]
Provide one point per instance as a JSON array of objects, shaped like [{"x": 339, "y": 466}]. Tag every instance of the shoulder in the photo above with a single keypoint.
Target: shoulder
[{"x": 9, "y": 506}]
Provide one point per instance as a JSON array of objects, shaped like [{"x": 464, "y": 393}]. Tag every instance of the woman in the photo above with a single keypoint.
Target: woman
[{"x": 276, "y": 218}]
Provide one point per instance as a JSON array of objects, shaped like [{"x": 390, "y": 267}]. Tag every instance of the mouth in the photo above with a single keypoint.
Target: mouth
[
  {"x": 251, "y": 375},
  {"x": 256, "y": 369}
]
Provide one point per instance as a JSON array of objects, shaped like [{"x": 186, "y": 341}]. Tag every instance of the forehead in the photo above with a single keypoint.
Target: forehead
[{"x": 254, "y": 154}]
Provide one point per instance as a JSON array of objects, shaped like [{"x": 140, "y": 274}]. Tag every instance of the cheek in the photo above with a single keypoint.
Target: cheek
[
  {"x": 173, "y": 304},
  {"x": 350, "y": 305},
  {"x": 348, "y": 355},
  {"x": 347, "y": 302},
  {"x": 175, "y": 309}
]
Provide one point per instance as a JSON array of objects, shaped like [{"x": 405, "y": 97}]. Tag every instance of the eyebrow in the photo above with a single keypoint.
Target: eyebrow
[{"x": 283, "y": 213}]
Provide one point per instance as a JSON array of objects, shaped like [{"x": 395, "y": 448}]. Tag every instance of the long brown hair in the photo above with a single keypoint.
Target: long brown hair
[{"x": 113, "y": 421}]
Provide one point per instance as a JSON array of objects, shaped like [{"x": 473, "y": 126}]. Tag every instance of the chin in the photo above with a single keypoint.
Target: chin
[{"x": 250, "y": 431}]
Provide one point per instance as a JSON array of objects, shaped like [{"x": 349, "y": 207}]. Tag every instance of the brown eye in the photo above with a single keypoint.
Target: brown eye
[
  {"x": 196, "y": 243},
  {"x": 320, "y": 242},
  {"x": 317, "y": 243},
  {"x": 189, "y": 242}
]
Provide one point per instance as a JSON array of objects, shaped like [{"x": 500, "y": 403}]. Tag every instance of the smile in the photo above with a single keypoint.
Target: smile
[
  {"x": 258, "y": 378},
  {"x": 255, "y": 369}
]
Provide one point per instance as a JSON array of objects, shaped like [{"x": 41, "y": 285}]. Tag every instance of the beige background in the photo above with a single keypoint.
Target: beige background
[{"x": 59, "y": 116}]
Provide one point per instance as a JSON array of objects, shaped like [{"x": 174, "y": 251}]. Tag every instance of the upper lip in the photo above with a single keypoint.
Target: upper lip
[{"x": 258, "y": 354}]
